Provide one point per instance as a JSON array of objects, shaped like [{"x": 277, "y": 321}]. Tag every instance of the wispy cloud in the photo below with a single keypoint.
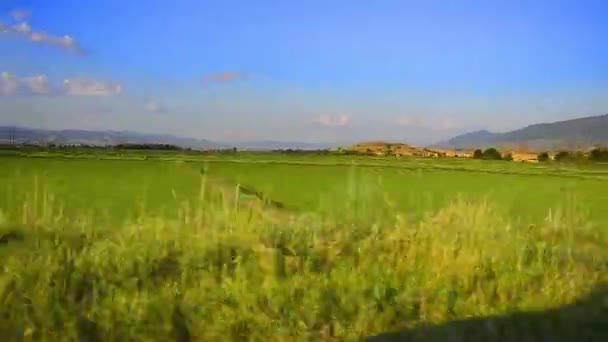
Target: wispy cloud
[
  {"x": 23, "y": 29},
  {"x": 65, "y": 42},
  {"x": 10, "y": 85},
  {"x": 87, "y": 87},
  {"x": 228, "y": 76},
  {"x": 332, "y": 121},
  {"x": 20, "y": 14}
]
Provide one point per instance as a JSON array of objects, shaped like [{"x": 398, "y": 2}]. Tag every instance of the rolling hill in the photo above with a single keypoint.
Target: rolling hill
[
  {"x": 396, "y": 149},
  {"x": 576, "y": 133}
]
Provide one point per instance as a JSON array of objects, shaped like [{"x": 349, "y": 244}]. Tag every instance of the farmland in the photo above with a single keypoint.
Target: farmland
[{"x": 165, "y": 246}]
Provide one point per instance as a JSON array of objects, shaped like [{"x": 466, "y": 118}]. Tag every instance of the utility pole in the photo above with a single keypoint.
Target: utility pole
[{"x": 11, "y": 136}]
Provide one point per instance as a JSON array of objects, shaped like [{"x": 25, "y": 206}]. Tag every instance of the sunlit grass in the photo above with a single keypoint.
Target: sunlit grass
[{"x": 222, "y": 270}]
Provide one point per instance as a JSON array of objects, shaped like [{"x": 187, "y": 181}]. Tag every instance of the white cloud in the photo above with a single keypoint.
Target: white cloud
[
  {"x": 38, "y": 84},
  {"x": 344, "y": 120},
  {"x": 9, "y": 84},
  {"x": 156, "y": 107},
  {"x": 64, "y": 42},
  {"x": 23, "y": 29},
  {"x": 38, "y": 37},
  {"x": 85, "y": 87},
  {"x": 332, "y": 121}
]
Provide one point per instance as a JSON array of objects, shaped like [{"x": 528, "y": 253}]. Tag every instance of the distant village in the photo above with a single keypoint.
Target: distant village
[{"x": 403, "y": 150}]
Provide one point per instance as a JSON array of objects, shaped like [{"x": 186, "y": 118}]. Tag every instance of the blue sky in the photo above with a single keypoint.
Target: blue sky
[{"x": 325, "y": 71}]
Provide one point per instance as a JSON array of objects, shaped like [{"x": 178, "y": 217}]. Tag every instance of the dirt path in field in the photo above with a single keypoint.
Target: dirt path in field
[{"x": 240, "y": 196}]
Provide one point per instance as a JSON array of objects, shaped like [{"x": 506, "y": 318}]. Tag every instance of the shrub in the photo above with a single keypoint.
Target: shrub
[
  {"x": 508, "y": 157},
  {"x": 562, "y": 155},
  {"x": 477, "y": 154},
  {"x": 598, "y": 154},
  {"x": 565, "y": 156},
  {"x": 543, "y": 157}
]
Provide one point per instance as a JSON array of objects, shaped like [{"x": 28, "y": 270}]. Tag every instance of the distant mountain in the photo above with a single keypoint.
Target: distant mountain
[
  {"x": 22, "y": 135},
  {"x": 472, "y": 139},
  {"x": 582, "y": 132}
]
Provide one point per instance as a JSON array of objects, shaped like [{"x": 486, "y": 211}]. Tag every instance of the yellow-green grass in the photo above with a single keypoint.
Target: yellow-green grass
[
  {"x": 112, "y": 190},
  {"x": 119, "y": 250}
]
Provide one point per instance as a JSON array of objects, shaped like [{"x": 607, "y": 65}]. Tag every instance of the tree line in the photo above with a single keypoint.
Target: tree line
[
  {"x": 595, "y": 155},
  {"x": 491, "y": 154}
]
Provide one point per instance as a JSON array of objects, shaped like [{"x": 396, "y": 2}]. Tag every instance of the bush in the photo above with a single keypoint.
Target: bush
[
  {"x": 562, "y": 155},
  {"x": 599, "y": 154},
  {"x": 508, "y": 157},
  {"x": 543, "y": 157},
  {"x": 477, "y": 154},
  {"x": 565, "y": 156}
]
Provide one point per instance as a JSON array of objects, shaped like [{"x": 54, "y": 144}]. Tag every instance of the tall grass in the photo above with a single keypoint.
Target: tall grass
[{"x": 222, "y": 271}]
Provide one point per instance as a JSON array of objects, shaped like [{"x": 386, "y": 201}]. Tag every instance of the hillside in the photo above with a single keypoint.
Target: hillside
[
  {"x": 576, "y": 133},
  {"x": 469, "y": 140}
]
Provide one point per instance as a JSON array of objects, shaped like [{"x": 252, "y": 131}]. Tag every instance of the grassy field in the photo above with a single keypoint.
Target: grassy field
[{"x": 150, "y": 247}]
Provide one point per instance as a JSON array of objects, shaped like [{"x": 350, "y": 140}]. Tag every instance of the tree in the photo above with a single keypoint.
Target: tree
[
  {"x": 508, "y": 157},
  {"x": 477, "y": 154},
  {"x": 491, "y": 154},
  {"x": 543, "y": 157},
  {"x": 562, "y": 156}
]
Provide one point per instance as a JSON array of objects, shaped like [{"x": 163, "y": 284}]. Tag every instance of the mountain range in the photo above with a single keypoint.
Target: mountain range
[
  {"x": 21, "y": 135},
  {"x": 568, "y": 134}
]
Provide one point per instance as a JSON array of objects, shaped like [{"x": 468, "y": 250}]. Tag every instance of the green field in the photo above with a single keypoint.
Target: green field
[{"x": 160, "y": 246}]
